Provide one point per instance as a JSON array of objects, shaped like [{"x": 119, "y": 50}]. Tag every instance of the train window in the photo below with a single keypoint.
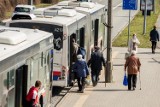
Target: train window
[
  {"x": 78, "y": 36},
  {"x": 92, "y": 30},
  {"x": 11, "y": 97},
  {"x": 45, "y": 59},
  {"x": 4, "y": 90},
  {"x": 92, "y": 25},
  {"x": 101, "y": 28},
  {"x": 10, "y": 78},
  {"x": 1, "y": 88},
  {"x": 48, "y": 59},
  {"x": 42, "y": 59}
]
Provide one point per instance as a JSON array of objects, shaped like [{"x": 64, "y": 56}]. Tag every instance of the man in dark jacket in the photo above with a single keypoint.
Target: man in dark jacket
[
  {"x": 95, "y": 62},
  {"x": 154, "y": 37},
  {"x": 81, "y": 69}
]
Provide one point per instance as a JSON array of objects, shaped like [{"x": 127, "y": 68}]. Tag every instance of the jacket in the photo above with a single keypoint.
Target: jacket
[
  {"x": 132, "y": 64},
  {"x": 30, "y": 94},
  {"x": 81, "y": 68},
  {"x": 96, "y": 61},
  {"x": 154, "y": 35}
]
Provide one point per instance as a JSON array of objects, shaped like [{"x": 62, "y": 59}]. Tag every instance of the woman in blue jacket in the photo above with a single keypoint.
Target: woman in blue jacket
[{"x": 81, "y": 69}]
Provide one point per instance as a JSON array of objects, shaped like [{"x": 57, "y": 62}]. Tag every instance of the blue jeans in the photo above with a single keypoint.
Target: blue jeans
[{"x": 95, "y": 77}]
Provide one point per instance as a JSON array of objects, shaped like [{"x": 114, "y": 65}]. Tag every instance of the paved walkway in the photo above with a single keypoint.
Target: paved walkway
[{"x": 117, "y": 95}]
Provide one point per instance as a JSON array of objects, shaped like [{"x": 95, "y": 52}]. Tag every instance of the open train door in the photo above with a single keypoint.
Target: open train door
[
  {"x": 21, "y": 86},
  {"x": 96, "y": 32}
]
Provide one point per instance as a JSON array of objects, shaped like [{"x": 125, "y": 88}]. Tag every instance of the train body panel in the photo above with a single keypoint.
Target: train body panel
[{"x": 23, "y": 63}]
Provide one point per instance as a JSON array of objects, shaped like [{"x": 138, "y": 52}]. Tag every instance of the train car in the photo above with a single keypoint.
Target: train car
[
  {"x": 65, "y": 24},
  {"x": 26, "y": 55},
  {"x": 96, "y": 16}
]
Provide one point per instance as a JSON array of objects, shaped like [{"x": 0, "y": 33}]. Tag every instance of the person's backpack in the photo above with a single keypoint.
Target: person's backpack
[{"x": 81, "y": 51}]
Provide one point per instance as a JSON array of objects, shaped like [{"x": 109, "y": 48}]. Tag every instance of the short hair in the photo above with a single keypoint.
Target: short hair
[
  {"x": 96, "y": 48},
  {"x": 134, "y": 34},
  {"x": 38, "y": 83},
  {"x": 154, "y": 27}
]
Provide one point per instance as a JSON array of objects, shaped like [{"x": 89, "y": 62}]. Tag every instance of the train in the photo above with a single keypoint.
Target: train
[
  {"x": 66, "y": 20},
  {"x": 26, "y": 55}
]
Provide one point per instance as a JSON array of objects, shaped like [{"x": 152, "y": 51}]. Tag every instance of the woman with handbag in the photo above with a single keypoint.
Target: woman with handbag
[{"x": 132, "y": 65}]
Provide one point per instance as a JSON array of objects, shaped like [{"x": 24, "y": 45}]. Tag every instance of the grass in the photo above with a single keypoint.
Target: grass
[
  {"x": 136, "y": 26},
  {"x": 8, "y": 15}
]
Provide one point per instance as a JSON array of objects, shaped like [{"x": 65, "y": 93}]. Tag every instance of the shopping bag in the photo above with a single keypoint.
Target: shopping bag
[
  {"x": 125, "y": 80},
  {"x": 88, "y": 80}
]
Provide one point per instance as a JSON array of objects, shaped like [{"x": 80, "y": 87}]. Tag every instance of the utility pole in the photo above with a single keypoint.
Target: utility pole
[
  {"x": 145, "y": 17},
  {"x": 129, "y": 26},
  {"x": 108, "y": 72}
]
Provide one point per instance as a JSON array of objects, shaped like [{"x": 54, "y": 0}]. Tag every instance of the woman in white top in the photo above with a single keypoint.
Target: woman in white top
[{"x": 133, "y": 44}]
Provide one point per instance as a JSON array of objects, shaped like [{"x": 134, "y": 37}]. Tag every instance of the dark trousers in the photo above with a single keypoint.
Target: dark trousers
[
  {"x": 81, "y": 83},
  {"x": 95, "y": 77},
  {"x": 132, "y": 80},
  {"x": 154, "y": 44}
]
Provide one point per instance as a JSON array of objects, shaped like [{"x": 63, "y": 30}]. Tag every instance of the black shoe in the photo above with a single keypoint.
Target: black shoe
[
  {"x": 129, "y": 89},
  {"x": 133, "y": 88},
  {"x": 78, "y": 90},
  {"x": 82, "y": 91},
  {"x": 94, "y": 84}
]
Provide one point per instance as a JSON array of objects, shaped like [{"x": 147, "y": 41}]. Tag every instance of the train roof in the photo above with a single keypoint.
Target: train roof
[
  {"x": 31, "y": 37},
  {"x": 61, "y": 20},
  {"x": 87, "y": 7},
  {"x": 62, "y": 17}
]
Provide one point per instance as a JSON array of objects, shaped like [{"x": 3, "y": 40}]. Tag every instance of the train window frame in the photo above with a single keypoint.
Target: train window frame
[
  {"x": 11, "y": 79},
  {"x": 42, "y": 59},
  {"x": 92, "y": 25}
]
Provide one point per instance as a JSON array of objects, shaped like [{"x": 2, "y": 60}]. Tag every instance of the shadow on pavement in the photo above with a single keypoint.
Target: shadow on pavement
[
  {"x": 118, "y": 64},
  {"x": 108, "y": 90},
  {"x": 58, "y": 91},
  {"x": 156, "y": 60},
  {"x": 147, "y": 53}
]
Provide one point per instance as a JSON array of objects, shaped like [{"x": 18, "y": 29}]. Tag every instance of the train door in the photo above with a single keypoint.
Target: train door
[
  {"x": 79, "y": 38},
  {"x": 96, "y": 32},
  {"x": 82, "y": 37},
  {"x": 21, "y": 86},
  {"x": 71, "y": 57}
]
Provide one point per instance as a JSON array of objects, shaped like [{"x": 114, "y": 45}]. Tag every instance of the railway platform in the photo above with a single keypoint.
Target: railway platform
[{"x": 117, "y": 95}]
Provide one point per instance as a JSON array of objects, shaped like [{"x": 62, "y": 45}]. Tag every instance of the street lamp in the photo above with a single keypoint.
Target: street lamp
[{"x": 108, "y": 70}]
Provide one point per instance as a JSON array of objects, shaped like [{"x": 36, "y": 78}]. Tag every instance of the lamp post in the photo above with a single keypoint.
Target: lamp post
[
  {"x": 145, "y": 17},
  {"x": 108, "y": 72}
]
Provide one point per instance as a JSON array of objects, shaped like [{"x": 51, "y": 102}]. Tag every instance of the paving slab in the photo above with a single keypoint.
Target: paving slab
[{"x": 117, "y": 95}]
